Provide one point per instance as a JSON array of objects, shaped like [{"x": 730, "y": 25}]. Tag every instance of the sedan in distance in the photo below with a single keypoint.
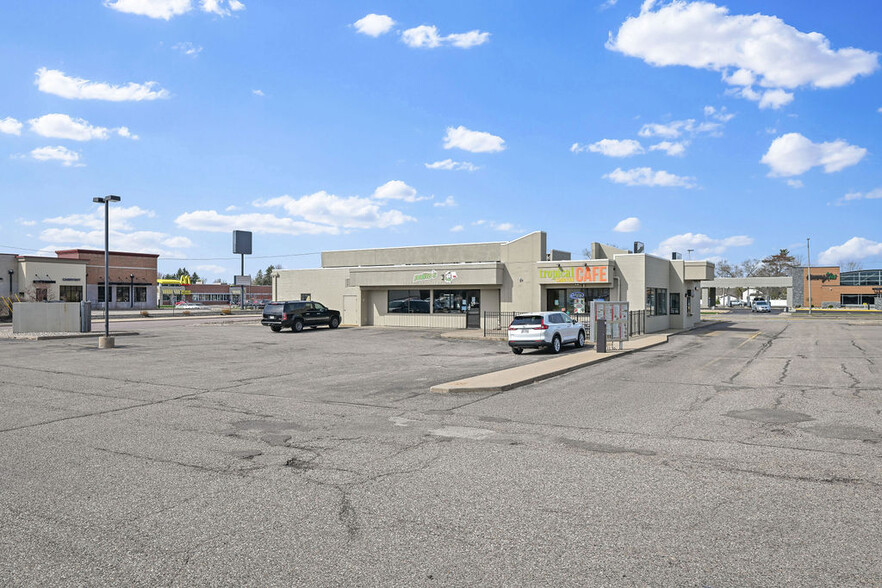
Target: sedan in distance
[{"x": 551, "y": 330}]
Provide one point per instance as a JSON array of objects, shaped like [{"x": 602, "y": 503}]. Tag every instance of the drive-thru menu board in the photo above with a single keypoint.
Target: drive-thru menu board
[{"x": 616, "y": 316}]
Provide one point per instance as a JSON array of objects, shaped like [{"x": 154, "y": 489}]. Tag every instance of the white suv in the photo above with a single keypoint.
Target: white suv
[{"x": 544, "y": 329}]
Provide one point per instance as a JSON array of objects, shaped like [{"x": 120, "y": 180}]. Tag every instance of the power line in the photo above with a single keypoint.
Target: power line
[{"x": 194, "y": 258}]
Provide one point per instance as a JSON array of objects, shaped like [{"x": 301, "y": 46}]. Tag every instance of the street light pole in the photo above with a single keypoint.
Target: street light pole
[
  {"x": 131, "y": 290},
  {"x": 107, "y": 342}
]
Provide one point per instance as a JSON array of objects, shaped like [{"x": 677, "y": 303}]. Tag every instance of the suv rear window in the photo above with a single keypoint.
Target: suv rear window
[
  {"x": 527, "y": 320},
  {"x": 274, "y": 309}
]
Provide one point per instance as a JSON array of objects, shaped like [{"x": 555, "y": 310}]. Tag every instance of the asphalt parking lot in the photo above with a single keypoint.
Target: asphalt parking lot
[{"x": 746, "y": 452}]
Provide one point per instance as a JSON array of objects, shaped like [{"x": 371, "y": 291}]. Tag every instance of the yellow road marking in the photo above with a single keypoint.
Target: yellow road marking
[{"x": 745, "y": 342}]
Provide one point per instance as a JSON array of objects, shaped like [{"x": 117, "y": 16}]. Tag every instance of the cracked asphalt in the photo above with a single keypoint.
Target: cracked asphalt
[{"x": 210, "y": 452}]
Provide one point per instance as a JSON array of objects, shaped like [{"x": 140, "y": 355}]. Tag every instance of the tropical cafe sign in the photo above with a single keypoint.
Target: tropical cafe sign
[{"x": 575, "y": 275}]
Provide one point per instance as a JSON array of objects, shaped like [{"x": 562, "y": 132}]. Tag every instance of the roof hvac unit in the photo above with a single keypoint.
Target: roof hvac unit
[
  {"x": 638, "y": 247},
  {"x": 675, "y": 255}
]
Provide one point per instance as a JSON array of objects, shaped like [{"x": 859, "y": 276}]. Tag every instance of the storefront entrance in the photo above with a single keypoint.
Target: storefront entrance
[{"x": 574, "y": 300}]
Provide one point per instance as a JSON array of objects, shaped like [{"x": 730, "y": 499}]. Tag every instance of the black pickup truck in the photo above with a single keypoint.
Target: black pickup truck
[{"x": 296, "y": 315}]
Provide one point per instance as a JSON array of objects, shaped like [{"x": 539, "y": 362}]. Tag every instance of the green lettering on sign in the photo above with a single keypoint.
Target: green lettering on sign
[{"x": 425, "y": 276}]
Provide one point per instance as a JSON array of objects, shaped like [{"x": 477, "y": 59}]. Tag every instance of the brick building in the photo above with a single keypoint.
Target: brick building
[
  {"x": 132, "y": 277},
  {"x": 830, "y": 287}
]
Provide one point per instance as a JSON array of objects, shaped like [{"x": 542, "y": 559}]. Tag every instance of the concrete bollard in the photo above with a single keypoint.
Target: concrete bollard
[{"x": 106, "y": 342}]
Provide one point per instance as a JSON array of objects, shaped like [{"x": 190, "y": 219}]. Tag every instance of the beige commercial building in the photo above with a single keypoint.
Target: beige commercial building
[
  {"x": 455, "y": 286},
  {"x": 33, "y": 278}
]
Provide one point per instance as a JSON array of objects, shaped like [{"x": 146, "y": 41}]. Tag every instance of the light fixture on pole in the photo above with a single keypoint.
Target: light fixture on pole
[{"x": 106, "y": 342}]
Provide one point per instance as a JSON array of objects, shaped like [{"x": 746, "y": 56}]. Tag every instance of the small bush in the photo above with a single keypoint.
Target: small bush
[
  {"x": 145, "y": 314},
  {"x": 226, "y": 311},
  {"x": 185, "y": 312}
]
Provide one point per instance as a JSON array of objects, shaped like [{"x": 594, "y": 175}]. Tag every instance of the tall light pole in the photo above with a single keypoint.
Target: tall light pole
[
  {"x": 809, "y": 256},
  {"x": 131, "y": 290},
  {"x": 107, "y": 342}
]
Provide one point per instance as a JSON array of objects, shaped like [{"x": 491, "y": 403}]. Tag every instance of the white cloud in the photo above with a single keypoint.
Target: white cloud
[
  {"x": 61, "y": 126},
  {"x": 52, "y": 81},
  {"x": 611, "y": 147},
  {"x": 795, "y": 184},
  {"x": 10, "y": 126},
  {"x": 793, "y": 154},
  {"x": 449, "y": 164},
  {"x": 746, "y": 49},
  {"x": 701, "y": 244},
  {"x": 58, "y": 153},
  {"x": 125, "y": 132},
  {"x": 397, "y": 190},
  {"x": 164, "y": 9},
  {"x": 773, "y": 99},
  {"x": 427, "y": 37},
  {"x": 221, "y": 8},
  {"x": 646, "y": 176},
  {"x": 628, "y": 225},
  {"x": 188, "y": 48},
  {"x": 474, "y": 141},
  {"x": 674, "y": 149},
  {"x": 87, "y": 230},
  {"x": 677, "y": 128},
  {"x": 469, "y": 39},
  {"x": 374, "y": 25},
  {"x": 448, "y": 202},
  {"x": 871, "y": 195},
  {"x": 120, "y": 218},
  {"x": 457, "y": 229},
  {"x": 25, "y": 222},
  {"x": 852, "y": 250},
  {"x": 231, "y": 208},
  {"x": 493, "y": 225},
  {"x": 213, "y": 221},
  {"x": 335, "y": 212},
  {"x": 258, "y": 92}
]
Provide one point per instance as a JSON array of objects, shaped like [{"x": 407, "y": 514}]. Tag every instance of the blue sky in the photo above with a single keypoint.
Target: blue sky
[{"x": 733, "y": 129}]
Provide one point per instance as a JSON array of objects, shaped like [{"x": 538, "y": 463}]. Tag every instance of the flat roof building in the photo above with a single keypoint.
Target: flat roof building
[{"x": 453, "y": 286}]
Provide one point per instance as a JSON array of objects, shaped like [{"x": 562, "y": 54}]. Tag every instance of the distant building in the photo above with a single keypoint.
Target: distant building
[
  {"x": 831, "y": 287},
  {"x": 34, "y": 278},
  {"x": 132, "y": 277}
]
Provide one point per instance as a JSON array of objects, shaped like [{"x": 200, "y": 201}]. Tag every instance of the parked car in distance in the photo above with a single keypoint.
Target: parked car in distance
[
  {"x": 737, "y": 303},
  {"x": 297, "y": 315},
  {"x": 760, "y": 305},
  {"x": 191, "y": 306},
  {"x": 549, "y": 330}
]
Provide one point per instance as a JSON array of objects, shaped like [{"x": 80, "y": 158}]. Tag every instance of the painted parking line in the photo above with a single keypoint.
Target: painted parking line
[{"x": 739, "y": 346}]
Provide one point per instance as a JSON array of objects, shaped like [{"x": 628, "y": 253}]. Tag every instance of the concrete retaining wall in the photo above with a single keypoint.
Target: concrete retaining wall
[{"x": 46, "y": 317}]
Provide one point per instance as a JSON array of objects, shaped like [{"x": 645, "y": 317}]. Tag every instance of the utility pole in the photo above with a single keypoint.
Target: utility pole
[{"x": 809, "y": 256}]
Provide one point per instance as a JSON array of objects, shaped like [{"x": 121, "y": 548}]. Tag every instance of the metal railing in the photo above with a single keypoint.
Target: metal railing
[{"x": 496, "y": 323}]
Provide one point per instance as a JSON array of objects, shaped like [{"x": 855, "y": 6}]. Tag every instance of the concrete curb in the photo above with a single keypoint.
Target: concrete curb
[
  {"x": 24, "y": 336},
  {"x": 516, "y": 377}
]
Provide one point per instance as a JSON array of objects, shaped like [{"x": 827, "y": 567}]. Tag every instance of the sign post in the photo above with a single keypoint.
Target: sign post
[
  {"x": 242, "y": 246},
  {"x": 614, "y": 317}
]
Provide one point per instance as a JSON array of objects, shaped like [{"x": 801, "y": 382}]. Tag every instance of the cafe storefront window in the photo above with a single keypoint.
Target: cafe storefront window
[
  {"x": 456, "y": 301},
  {"x": 408, "y": 301},
  {"x": 574, "y": 300}
]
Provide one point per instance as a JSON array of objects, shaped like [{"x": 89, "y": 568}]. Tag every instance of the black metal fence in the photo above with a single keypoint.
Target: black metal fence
[{"x": 496, "y": 323}]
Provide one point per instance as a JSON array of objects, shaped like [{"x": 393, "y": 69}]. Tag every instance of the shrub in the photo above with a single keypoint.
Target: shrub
[
  {"x": 185, "y": 312},
  {"x": 145, "y": 314},
  {"x": 226, "y": 310}
]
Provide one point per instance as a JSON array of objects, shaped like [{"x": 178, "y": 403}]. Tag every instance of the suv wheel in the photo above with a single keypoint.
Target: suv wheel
[
  {"x": 297, "y": 326},
  {"x": 276, "y": 328},
  {"x": 335, "y": 322},
  {"x": 580, "y": 340},
  {"x": 517, "y": 350},
  {"x": 555, "y": 344}
]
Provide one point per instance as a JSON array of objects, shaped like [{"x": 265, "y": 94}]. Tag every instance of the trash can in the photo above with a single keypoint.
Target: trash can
[
  {"x": 600, "y": 337},
  {"x": 85, "y": 316}
]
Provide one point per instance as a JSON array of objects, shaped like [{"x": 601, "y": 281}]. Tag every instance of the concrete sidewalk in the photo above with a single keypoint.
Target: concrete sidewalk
[{"x": 560, "y": 364}]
